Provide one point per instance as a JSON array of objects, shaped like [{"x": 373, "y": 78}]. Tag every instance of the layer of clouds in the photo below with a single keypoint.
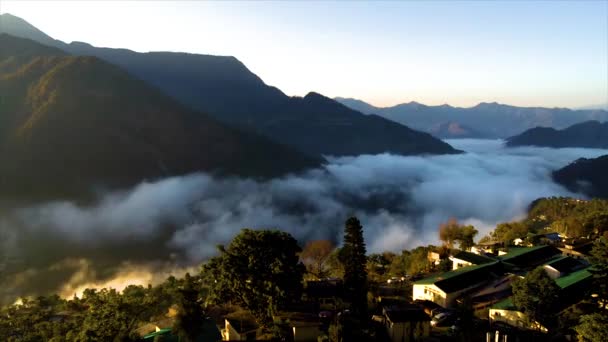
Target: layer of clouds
[{"x": 399, "y": 200}]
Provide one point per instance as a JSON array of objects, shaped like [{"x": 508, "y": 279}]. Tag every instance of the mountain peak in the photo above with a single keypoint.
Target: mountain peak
[
  {"x": 488, "y": 105},
  {"x": 314, "y": 95},
  {"x": 18, "y": 27}
]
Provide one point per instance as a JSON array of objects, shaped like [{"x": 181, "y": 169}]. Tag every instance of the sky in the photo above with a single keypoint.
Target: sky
[{"x": 527, "y": 53}]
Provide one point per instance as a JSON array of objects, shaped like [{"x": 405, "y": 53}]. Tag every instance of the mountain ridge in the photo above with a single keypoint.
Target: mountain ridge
[
  {"x": 489, "y": 119},
  {"x": 70, "y": 122},
  {"x": 588, "y": 134},
  {"x": 224, "y": 88},
  {"x": 585, "y": 175}
]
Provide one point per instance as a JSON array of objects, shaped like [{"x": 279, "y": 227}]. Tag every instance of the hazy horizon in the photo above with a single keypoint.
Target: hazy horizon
[{"x": 533, "y": 54}]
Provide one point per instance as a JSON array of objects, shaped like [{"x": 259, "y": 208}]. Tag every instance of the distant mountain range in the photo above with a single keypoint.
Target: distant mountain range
[
  {"x": 68, "y": 123},
  {"x": 585, "y": 175},
  {"x": 590, "y": 134},
  {"x": 485, "y": 120},
  {"x": 228, "y": 91}
]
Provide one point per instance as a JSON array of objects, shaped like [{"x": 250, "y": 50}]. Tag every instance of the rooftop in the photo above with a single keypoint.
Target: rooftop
[
  {"x": 299, "y": 318},
  {"x": 565, "y": 264},
  {"x": 573, "y": 278},
  {"x": 209, "y": 332},
  {"x": 161, "y": 332},
  {"x": 529, "y": 256},
  {"x": 461, "y": 278},
  {"x": 242, "y": 321},
  {"x": 406, "y": 314},
  {"x": 473, "y": 258},
  {"x": 506, "y": 304}
]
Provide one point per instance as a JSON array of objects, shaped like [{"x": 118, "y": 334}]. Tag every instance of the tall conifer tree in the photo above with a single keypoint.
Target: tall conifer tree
[{"x": 354, "y": 258}]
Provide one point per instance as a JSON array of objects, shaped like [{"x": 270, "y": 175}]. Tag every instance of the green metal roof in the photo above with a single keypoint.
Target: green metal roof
[
  {"x": 473, "y": 258},
  {"x": 517, "y": 251},
  {"x": 556, "y": 259},
  {"x": 450, "y": 274},
  {"x": 210, "y": 333},
  {"x": 506, "y": 304},
  {"x": 573, "y": 278},
  {"x": 158, "y": 333}
]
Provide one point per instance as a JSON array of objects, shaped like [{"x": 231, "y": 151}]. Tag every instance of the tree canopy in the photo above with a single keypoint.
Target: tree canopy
[
  {"x": 316, "y": 256},
  {"x": 451, "y": 231},
  {"x": 593, "y": 328},
  {"x": 599, "y": 259},
  {"x": 259, "y": 270},
  {"x": 536, "y": 295}
]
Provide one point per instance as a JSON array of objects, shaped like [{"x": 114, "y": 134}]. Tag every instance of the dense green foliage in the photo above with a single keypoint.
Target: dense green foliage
[
  {"x": 353, "y": 256},
  {"x": 225, "y": 88},
  {"x": 536, "y": 295},
  {"x": 593, "y": 328},
  {"x": 586, "y": 175},
  {"x": 452, "y": 231},
  {"x": 411, "y": 262},
  {"x": 99, "y": 315},
  {"x": 573, "y": 218},
  {"x": 259, "y": 270},
  {"x": 69, "y": 123},
  {"x": 190, "y": 315},
  {"x": 599, "y": 258},
  {"x": 507, "y": 232}
]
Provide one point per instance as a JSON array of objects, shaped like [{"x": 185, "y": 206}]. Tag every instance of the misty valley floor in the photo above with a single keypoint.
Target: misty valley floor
[{"x": 155, "y": 229}]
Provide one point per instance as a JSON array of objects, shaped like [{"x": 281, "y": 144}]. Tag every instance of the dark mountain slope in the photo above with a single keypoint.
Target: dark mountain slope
[
  {"x": 69, "y": 122},
  {"x": 321, "y": 125},
  {"x": 590, "y": 134},
  {"x": 585, "y": 175},
  {"x": 226, "y": 89},
  {"x": 491, "y": 120}
]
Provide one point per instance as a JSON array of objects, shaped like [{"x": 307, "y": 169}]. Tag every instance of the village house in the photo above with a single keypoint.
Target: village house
[
  {"x": 487, "y": 247},
  {"x": 435, "y": 257},
  {"x": 240, "y": 326},
  {"x": 577, "y": 248},
  {"x": 306, "y": 327},
  {"x": 445, "y": 288},
  {"x": 492, "y": 293},
  {"x": 462, "y": 259},
  {"x": 527, "y": 258},
  {"x": 551, "y": 238},
  {"x": 405, "y": 323},
  {"x": 324, "y": 293},
  {"x": 571, "y": 291},
  {"x": 563, "y": 265},
  {"x": 506, "y": 312}
]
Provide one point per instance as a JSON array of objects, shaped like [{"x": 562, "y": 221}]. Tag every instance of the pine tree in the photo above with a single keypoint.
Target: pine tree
[
  {"x": 353, "y": 256},
  {"x": 190, "y": 317}
]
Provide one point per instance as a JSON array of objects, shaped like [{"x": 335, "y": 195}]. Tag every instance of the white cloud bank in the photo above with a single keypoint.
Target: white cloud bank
[{"x": 399, "y": 200}]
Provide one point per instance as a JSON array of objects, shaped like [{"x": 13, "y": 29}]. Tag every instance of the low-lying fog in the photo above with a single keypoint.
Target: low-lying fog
[{"x": 147, "y": 232}]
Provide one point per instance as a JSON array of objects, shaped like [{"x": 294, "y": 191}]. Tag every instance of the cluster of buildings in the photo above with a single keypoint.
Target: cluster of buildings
[
  {"x": 483, "y": 275},
  {"x": 485, "y": 278}
]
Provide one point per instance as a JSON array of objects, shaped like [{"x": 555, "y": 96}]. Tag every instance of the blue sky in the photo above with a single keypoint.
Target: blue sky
[{"x": 530, "y": 53}]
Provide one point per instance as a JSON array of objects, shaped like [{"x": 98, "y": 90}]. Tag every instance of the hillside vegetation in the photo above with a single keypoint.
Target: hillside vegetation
[
  {"x": 69, "y": 123},
  {"x": 590, "y": 134},
  {"x": 585, "y": 175}
]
